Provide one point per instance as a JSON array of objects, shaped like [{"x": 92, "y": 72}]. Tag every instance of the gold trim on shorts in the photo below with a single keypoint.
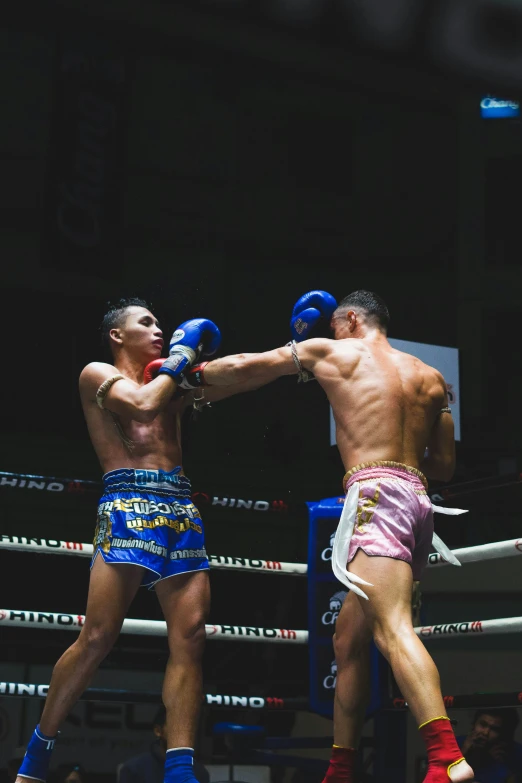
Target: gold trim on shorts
[{"x": 384, "y": 463}]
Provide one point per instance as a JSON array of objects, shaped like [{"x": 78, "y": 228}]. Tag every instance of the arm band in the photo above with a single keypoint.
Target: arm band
[
  {"x": 104, "y": 388},
  {"x": 303, "y": 375}
]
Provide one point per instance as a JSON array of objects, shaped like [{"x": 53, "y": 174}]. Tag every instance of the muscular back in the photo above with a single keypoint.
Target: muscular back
[{"x": 386, "y": 403}]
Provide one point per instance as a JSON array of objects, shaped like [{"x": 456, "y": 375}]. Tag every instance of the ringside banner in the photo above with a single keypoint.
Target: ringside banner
[
  {"x": 445, "y": 360},
  {"x": 325, "y": 599}
]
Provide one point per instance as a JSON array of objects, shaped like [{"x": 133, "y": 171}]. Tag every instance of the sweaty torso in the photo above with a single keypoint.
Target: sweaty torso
[
  {"x": 155, "y": 445},
  {"x": 384, "y": 401}
]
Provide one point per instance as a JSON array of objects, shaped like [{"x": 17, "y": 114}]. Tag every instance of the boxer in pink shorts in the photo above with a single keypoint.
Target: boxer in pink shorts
[{"x": 393, "y": 428}]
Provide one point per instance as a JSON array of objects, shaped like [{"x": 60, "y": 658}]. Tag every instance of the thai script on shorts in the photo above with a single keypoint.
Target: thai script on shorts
[
  {"x": 179, "y": 554},
  {"x": 137, "y": 543},
  {"x": 139, "y": 505}
]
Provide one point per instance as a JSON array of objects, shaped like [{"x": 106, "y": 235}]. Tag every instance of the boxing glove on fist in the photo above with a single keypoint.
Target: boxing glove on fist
[
  {"x": 194, "y": 338},
  {"x": 308, "y": 311}
]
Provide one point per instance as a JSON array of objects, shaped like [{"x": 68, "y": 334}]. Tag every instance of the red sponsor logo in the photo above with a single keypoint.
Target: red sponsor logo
[
  {"x": 273, "y": 565},
  {"x": 275, "y": 703},
  {"x": 3, "y": 614},
  {"x": 449, "y": 701},
  {"x": 80, "y": 618},
  {"x": 211, "y": 630},
  {"x": 200, "y": 497},
  {"x": 399, "y": 703},
  {"x": 75, "y": 486},
  {"x": 279, "y": 505},
  {"x": 426, "y": 631}
]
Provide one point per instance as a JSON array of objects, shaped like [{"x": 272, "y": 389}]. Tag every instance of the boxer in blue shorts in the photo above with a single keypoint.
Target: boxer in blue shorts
[{"x": 149, "y": 532}]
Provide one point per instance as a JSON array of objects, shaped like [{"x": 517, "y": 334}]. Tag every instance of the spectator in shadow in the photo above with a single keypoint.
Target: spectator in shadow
[
  {"x": 149, "y": 767},
  {"x": 490, "y": 747}
]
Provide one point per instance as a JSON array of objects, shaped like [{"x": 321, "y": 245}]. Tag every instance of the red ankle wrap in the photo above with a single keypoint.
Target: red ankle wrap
[
  {"x": 341, "y": 769},
  {"x": 443, "y": 751}
]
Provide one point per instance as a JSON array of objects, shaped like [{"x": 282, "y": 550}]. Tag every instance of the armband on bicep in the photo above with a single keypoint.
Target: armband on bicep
[
  {"x": 104, "y": 388},
  {"x": 303, "y": 375}
]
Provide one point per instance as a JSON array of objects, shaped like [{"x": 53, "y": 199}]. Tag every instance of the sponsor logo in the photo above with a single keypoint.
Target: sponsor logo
[
  {"x": 178, "y": 335},
  {"x": 179, "y": 554},
  {"x": 399, "y": 704},
  {"x": 336, "y": 602},
  {"x": 326, "y": 554},
  {"x": 47, "y": 542},
  {"x": 245, "y": 562},
  {"x": 3, "y": 614},
  {"x": 449, "y": 701},
  {"x": 247, "y": 631},
  {"x": 256, "y": 702},
  {"x": 331, "y": 679},
  {"x": 49, "y": 618},
  {"x": 449, "y": 628},
  {"x": 23, "y": 689},
  {"x": 239, "y": 503},
  {"x": 434, "y": 558},
  {"x": 155, "y": 477},
  {"x": 518, "y": 544}
]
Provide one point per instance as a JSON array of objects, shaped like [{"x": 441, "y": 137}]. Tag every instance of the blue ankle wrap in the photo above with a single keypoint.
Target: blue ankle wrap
[
  {"x": 179, "y": 766},
  {"x": 35, "y": 764}
]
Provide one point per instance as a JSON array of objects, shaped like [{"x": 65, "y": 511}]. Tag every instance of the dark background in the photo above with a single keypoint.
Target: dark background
[{"x": 220, "y": 165}]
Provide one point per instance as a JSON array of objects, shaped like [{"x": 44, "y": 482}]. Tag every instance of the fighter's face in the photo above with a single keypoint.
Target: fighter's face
[{"x": 140, "y": 334}]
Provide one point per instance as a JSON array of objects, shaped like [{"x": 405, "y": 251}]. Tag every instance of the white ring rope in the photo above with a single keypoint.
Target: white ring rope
[
  {"x": 65, "y": 621},
  {"x": 472, "y": 554},
  {"x": 51, "y": 546}
]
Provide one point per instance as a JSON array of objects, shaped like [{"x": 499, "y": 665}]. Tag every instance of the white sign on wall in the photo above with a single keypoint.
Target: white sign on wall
[{"x": 445, "y": 360}]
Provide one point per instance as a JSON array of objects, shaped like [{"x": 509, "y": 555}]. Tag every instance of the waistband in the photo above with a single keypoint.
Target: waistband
[
  {"x": 145, "y": 479},
  {"x": 381, "y": 469}
]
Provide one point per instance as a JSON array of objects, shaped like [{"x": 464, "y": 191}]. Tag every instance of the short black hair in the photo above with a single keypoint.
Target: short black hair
[
  {"x": 115, "y": 316},
  {"x": 371, "y": 304},
  {"x": 509, "y": 718},
  {"x": 161, "y": 716}
]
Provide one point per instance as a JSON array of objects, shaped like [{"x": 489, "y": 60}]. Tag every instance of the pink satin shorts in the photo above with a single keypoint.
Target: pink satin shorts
[{"x": 394, "y": 514}]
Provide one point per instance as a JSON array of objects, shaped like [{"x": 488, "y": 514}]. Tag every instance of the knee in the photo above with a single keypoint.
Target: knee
[
  {"x": 97, "y": 641},
  {"x": 389, "y": 637},
  {"x": 191, "y": 633},
  {"x": 348, "y": 648}
]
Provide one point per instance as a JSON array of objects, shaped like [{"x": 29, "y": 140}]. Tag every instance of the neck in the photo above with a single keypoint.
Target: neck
[
  {"x": 129, "y": 367},
  {"x": 373, "y": 336}
]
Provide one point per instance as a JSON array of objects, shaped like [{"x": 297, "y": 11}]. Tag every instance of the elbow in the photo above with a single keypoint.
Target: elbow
[{"x": 144, "y": 412}]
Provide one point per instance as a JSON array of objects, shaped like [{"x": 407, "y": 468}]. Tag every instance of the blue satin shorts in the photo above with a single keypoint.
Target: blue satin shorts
[{"x": 147, "y": 518}]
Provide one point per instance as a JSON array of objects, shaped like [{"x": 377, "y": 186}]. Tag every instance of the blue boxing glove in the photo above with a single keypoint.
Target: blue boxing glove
[
  {"x": 308, "y": 311},
  {"x": 194, "y": 338}
]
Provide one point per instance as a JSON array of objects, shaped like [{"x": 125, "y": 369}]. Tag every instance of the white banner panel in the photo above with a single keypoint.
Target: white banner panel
[{"x": 445, "y": 360}]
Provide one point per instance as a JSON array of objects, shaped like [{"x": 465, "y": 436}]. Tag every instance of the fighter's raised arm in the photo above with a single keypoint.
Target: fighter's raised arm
[
  {"x": 247, "y": 371},
  {"x": 261, "y": 368}
]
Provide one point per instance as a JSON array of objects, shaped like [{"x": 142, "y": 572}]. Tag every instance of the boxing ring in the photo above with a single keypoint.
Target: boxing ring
[{"x": 325, "y": 599}]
